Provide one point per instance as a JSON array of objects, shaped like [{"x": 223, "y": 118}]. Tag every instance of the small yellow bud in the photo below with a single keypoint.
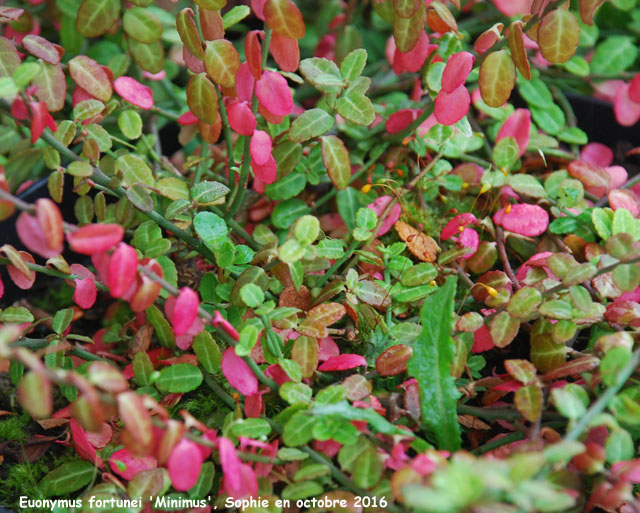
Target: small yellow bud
[
  {"x": 366, "y": 188},
  {"x": 491, "y": 291},
  {"x": 508, "y": 209},
  {"x": 465, "y": 185},
  {"x": 460, "y": 229},
  {"x": 485, "y": 187},
  {"x": 432, "y": 283}
]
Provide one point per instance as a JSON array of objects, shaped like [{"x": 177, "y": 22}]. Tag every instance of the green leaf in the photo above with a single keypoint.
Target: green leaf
[
  {"x": 207, "y": 352},
  {"x": 353, "y": 64},
  {"x": 344, "y": 410},
  {"x": 356, "y": 108},
  {"x": 528, "y": 185},
  {"x": 95, "y": 17},
  {"x": 130, "y": 124},
  {"x": 614, "y": 55},
  {"x": 312, "y": 123},
  {"x": 336, "y": 159},
  {"x": 368, "y": 468},
  {"x": 323, "y": 74},
  {"x": 287, "y": 187},
  {"x": 299, "y": 429},
  {"x": 252, "y": 295},
  {"x": 211, "y": 228},
  {"x": 179, "y": 378},
  {"x": 235, "y": 15},
  {"x": 62, "y": 319},
  {"x": 552, "y": 118},
  {"x": 505, "y": 153},
  {"x": 433, "y": 354},
  {"x": 19, "y": 315},
  {"x": 135, "y": 170},
  {"x": 207, "y": 192},
  {"x": 286, "y": 213},
  {"x": 67, "y": 478},
  {"x": 251, "y": 428},
  {"x": 141, "y": 24}
]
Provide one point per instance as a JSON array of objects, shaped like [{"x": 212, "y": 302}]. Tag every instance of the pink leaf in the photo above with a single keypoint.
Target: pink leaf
[
  {"x": 513, "y": 7},
  {"x": 21, "y": 281},
  {"x": 400, "y": 120},
  {"x": 260, "y": 147},
  {"x": 327, "y": 348},
  {"x": 274, "y": 94},
  {"x": 413, "y": 60},
  {"x": 469, "y": 239},
  {"x": 517, "y": 125},
  {"x": 342, "y": 362},
  {"x": 95, "y": 238},
  {"x": 134, "y": 92},
  {"x": 454, "y": 226},
  {"x": 634, "y": 89},
  {"x": 32, "y": 236},
  {"x": 266, "y": 173},
  {"x": 523, "y": 219},
  {"x": 1, "y": 287},
  {"x": 379, "y": 206},
  {"x": 277, "y": 374},
  {"x": 617, "y": 176},
  {"x": 241, "y": 118},
  {"x": 456, "y": 71},
  {"x": 86, "y": 291},
  {"x": 101, "y": 439},
  {"x": 627, "y": 111},
  {"x": 39, "y": 114},
  {"x": 81, "y": 443},
  {"x": 620, "y": 198},
  {"x": 188, "y": 118},
  {"x": 482, "y": 340},
  {"x": 285, "y": 51},
  {"x": 627, "y": 470},
  {"x": 229, "y": 462},
  {"x": 123, "y": 267},
  {"x": 126, "y": 465},
  {"x": 452, "y": 107},
  {"x": 184, "y": 465},
  {"x": 248, "y": 486},
  {"x": 245, "y": 83},
  {"x": 238, "y": 373},
  {"x": 597, "y": 153},
  {"x": 220, "y": 322},
  {"x": 185, "y": 311},
  {"x": 258, "y": 8}
]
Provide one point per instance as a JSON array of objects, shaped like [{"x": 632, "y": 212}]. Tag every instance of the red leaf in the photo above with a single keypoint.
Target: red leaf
[
  {"x": 245, "y": 83},
  {"x": 126, "y": 465},
  {"x": 260, "y": 147},
  {"x": 21, "y": 281},
  {"x": 39, "y": 114},
  {"x": 597, "y": 153},
  {"x": 95, "y": 238},
  {"x": 32, "y": 236},
  {"x": 634, "y": 89},
  {"x": 274, "y": 94},
  {"x": 517, "y": 125},
  {"x": 267, "y": 172},
  {"x": 400, "y": 120},
  {"x": 188, "y": 118},
  {"x": 456, "y": 71},
  {"x": 523, "y": 219},
  {"x": 185, "y": 311},
  {"x": 86, "y": 291},
  {"x": 452, "y": 107},
  {"x": 238, "y": 373},
  {"x": 379, "y": 206},
  {"x": 241, "y": 118},
  {"x": 285, "y": 51},
  {"x": 626, "y": 110},
  {"x": 229, "y": 461},
  {"x": 413, "y": 60},
  {"x": 123, "y": 267},
  {"x": 184, "y": 465},
  {"x": 454, "y": 225},
  {"x": 81, "y": 443},
  {"x": 253, "y": 53},
  {"x": 342, "y": 362},
  {"x": 134, "y": 92}
]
